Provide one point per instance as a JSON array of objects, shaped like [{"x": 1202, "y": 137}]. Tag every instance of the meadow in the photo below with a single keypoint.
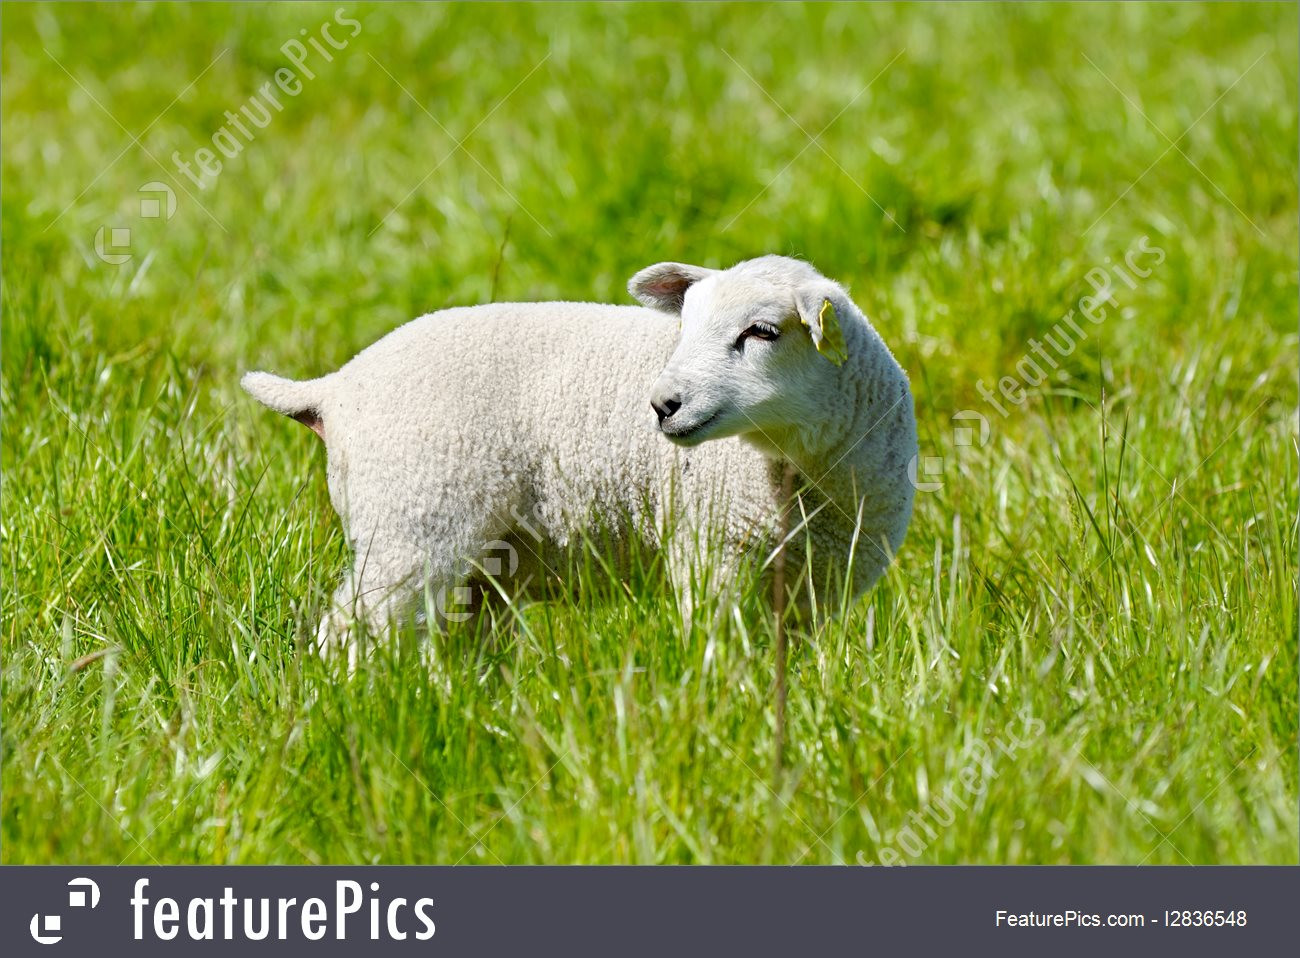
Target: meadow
[{"x": 1086, "y": 651}]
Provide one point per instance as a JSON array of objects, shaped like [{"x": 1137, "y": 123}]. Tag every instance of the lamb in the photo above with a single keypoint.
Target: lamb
[{"x": 499, "y": 430}]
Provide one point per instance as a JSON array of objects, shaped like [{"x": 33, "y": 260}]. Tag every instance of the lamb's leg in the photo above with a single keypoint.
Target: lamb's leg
[
  {"x": 379, "y": 589},
  {"x": 703, "y": 578},
  {"x": 393, "y": 576}
]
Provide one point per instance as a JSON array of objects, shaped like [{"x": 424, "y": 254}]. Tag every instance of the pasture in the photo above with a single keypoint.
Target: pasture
[{"x": 1086, "y": 651}]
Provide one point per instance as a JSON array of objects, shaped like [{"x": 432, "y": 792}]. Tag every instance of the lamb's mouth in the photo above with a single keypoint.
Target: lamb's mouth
[{"x": 691, "y": 434}]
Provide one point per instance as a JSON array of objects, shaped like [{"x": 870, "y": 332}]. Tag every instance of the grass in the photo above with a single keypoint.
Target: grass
[{"x": 1086, "y": 652}]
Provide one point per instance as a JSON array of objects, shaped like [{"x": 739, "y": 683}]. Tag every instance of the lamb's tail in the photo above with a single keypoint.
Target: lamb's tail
[{"x": 297, "y": 400}]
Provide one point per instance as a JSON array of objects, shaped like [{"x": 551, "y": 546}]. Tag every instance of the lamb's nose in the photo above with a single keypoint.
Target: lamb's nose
[{"x": 664, "y": 405}]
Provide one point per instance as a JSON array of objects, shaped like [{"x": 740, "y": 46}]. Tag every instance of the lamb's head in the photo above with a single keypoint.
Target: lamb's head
[{"x": 760, "y": 347}]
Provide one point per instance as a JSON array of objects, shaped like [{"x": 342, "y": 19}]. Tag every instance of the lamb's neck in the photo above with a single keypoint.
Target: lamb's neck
[
  {"x": 836, "y": 476},
  {"x": 834, "y": 471},
  {"x": 835, "y": 458}
]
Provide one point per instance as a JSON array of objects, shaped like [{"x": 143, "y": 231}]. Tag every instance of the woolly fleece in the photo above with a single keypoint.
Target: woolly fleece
[{"x": 490, "y": 437}]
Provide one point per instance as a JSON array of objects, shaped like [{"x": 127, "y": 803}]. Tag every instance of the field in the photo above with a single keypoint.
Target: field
[{"x": 1086, "y": 651}]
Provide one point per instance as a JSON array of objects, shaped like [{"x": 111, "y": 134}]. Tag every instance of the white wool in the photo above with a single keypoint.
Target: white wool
[{"x": 523, "y": 423}]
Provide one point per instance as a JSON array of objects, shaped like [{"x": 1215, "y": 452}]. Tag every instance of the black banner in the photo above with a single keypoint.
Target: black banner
[{"x": 648, "y": 911}]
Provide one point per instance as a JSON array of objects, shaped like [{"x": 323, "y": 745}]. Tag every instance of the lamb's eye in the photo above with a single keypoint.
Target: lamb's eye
[{"x": 758, "y": 331}]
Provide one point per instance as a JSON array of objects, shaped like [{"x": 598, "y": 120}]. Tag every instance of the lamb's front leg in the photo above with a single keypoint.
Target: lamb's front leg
[
  {"x": 704, "y": 571},
  {"x": 712, "y": 569}
]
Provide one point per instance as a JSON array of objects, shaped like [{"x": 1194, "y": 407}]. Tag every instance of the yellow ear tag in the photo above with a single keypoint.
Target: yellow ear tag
[{"x": 831, "y": 342}]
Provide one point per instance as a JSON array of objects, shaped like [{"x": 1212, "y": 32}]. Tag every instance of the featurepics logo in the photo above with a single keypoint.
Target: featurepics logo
[
  {"x": 48, "y": 929},
  {"x": 231, "y": 138},
  {"x": 230, "y": 918}
]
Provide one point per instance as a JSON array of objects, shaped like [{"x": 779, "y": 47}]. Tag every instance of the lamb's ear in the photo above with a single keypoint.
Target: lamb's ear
[
  {"x": 817, "y": 312},
  {"x": 663, "y": 286}
]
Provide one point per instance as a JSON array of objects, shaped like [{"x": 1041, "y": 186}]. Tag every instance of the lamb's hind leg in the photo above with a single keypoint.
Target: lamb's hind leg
[
  {"x": 391, "y": 577},
  {"x": 382, "y": 587}
]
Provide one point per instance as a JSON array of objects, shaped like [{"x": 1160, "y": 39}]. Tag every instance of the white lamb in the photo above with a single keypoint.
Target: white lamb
[{"x": 506, "y": 429}]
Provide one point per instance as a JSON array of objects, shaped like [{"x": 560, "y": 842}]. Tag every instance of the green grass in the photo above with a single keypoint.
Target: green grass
[{"x": 1106, "y": 587}]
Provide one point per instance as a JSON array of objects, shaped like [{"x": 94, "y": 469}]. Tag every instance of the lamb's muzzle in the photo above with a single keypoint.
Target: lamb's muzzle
[{"x": 664, "y": 405}]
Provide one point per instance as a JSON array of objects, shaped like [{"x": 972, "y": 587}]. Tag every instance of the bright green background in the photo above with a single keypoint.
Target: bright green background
[{"x": 1110, "y": 577}]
